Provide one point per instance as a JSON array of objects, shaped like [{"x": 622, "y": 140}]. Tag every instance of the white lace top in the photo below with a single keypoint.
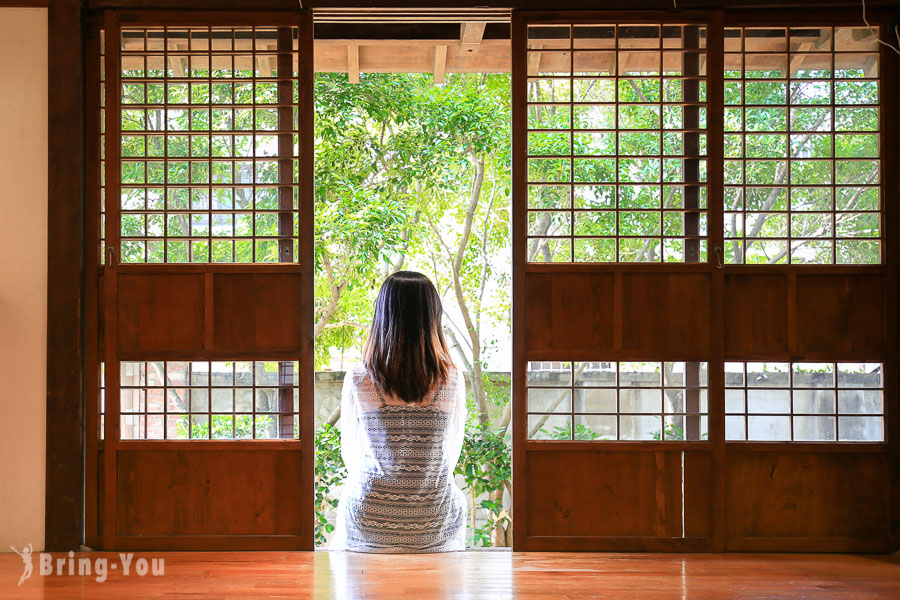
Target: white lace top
[{"x": 400, "y": 495}]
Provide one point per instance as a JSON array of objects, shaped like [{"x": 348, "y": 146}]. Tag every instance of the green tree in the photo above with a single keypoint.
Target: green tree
[{"x": 414, "y": 175}]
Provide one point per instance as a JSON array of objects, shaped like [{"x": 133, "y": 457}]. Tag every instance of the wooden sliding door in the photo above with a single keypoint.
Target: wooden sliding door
[
  {"x": 207, "y": 281},
  {"x": 616, "y": 423},
  {"x": 704, "y": 258},
  {"x": 810, "y": 239}
]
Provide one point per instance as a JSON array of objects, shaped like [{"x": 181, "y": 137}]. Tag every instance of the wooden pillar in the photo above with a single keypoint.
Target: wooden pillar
[{"x": 64, "y": 506}]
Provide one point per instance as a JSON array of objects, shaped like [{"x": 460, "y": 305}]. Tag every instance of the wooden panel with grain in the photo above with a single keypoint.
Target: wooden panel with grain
[
  {"x": 571, "y": 312},
  {"x": 666, "y": 315},
  {"x": 160, "y": 312},
  {"x": 622, "y": 494},
  {"x": 187, "y": 492},
  {"x": 256, "y": 312},
  {"x": 810, "y": 496},
  {"x": 842, "y": 314},
  {"x": 698, "y": 497},
  {"x": 755, "y": 315}
]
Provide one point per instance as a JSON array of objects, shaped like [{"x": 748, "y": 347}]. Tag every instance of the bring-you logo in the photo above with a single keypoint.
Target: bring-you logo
[{"x": 84, "y": 566}]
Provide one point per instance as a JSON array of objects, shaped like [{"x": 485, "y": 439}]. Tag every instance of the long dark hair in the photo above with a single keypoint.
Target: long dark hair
[{"x": 406, "y": 353}]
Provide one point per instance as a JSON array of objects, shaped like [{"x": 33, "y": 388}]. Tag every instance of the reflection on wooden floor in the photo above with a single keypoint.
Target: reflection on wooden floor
[{"x": 495, "y": 574}]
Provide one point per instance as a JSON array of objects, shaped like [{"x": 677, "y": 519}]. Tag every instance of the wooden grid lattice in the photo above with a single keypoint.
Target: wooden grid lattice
[
  {"x": 804, "y": 402},
  {"x": 617, "y": 401},
  {"x": 616, "y": 133},
  {"x": 101, "y": 184},
  {"x": 209, "y": 146},
  {"x": 802, "y": 146},
  {"x": 182, "y": 400}
]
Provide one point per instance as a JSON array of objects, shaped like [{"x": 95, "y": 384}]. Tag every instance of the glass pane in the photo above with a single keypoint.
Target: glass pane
[
  {"x": 734, "y": 429},
  {"x": 549, "y": 427},
  {"x": 639, "y": 374},
  {"x": 549, "y": 373},
  {"x": 549, "y": 400},
  {"x": 595, "y": 401},
  {"x": 634, "y": 427},
  {"x": 814, "y": 429},
  {"x": 594, "y": 374},
  {"x": 769, "y": 428},
  {"x": 595, "y": 427},
  {"x": 861, "y": 429},
  {"x": 640, "y": 401}
]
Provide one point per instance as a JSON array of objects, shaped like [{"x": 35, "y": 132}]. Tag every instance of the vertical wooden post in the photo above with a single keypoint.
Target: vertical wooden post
[
  {"x": 519, "y": 230},
  {"x": 306, "y": 257},
  {"x": 64, "y": 508},
  {"x": 715, "y": 90},
  {"x": 92, "y": 270},
  {"x": 890, "y": 126},
  {"x": 110, "y": 280}
]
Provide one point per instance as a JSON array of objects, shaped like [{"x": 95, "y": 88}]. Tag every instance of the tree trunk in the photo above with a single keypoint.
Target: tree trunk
[{"x": 498, "y": 534}]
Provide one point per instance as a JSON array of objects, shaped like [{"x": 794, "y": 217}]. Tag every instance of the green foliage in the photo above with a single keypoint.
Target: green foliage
[
  {"x": 393, "y": 153},
  {"x": 497, "y": 517},
  {"x": 329, "y": 472},
  {"x": 485, "y": 463},
  {"x": 781, "y": 145},
  {"x": 673, "y": 432},
  {"x": 564, "y": 432},
  {"x": 670, "y": 432},
  {"x": 191, "y": 135},
  {"x": 223, "y": 426}
]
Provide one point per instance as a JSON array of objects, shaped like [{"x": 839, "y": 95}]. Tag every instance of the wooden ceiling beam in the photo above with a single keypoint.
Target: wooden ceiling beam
[
  {"x": 470, "y": 37},
  {"x": 534, "y": 60},
  {"x": 353, "y": 63},
  {"x": 440, "y": 63}
]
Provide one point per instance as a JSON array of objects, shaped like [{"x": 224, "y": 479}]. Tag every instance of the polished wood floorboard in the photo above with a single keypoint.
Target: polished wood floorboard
[{"x": 489, "y": 575}]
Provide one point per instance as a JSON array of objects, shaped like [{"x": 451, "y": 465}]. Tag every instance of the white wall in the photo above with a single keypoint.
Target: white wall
[{"x": 23, "y": 274}]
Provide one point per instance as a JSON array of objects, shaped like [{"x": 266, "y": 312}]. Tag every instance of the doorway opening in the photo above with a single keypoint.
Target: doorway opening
[{"x": 413, "y": 172}]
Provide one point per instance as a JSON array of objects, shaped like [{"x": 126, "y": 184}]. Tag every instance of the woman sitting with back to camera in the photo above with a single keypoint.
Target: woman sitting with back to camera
[{"x": 403, "y": 414}]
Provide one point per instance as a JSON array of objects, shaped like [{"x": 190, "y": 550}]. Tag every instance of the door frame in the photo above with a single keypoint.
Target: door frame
[{"x": 106, "y": 531}]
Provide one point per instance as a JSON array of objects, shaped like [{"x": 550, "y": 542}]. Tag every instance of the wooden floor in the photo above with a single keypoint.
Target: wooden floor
[{"x": 494, "y": 574}]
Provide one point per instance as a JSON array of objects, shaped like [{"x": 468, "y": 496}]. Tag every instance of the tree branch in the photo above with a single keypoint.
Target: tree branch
[{"x": 335, "y": 295}]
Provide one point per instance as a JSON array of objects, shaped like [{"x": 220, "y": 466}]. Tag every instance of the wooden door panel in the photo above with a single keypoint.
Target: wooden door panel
[
  {"x": 699, "y": 480},
  {"x": 756, "y": 314},
  {"x": 569, "y": 313},
  {"x": 577, "y": 314},
  {"x": 666, "y": 314},
  {"x": 173, "y": 493},
  {"x": 160, "y": 312},
  {"x": 197, "y": 315},
  {"x": 842, "y": 314},
  {"x": 807, "y": 498},
  {"x": 617, "y": 494},
  {"x": 256, "y": 312},
  {"x": 785, "y": 315}
]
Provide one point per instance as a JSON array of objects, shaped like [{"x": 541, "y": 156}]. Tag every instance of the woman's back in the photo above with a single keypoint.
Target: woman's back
[{"x": 400, "y": 495}]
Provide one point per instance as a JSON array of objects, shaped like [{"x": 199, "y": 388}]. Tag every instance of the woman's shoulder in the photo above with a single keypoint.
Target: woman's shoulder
[
  {"x": 355, "y": 373},
  {"x": 454, "y": 375}
]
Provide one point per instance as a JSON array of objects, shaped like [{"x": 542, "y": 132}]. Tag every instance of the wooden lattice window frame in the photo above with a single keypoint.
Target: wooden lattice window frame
[
  {"x": 791, "y": 192},
  {"x": 180, "y": 176},
  {"x": 607, "y": 196}
]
